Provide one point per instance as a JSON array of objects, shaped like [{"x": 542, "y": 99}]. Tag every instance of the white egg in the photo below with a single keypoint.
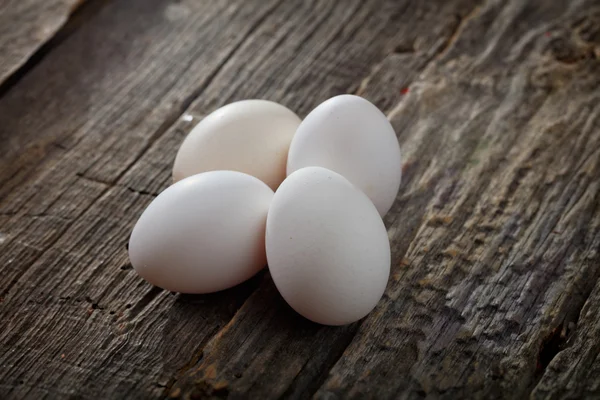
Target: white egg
[
  {"x": 327, "y": 248},
  {"x": 250, "y": 136},
  {"x": 349, "y": 135},
  {"x": 203, "y": 234}
]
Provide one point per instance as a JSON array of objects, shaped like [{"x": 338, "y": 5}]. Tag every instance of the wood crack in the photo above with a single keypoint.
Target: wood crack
[
  {"x": 314, "y": 385},
  {"x": 455, "y": 33},
  {"x": 115, "y": 185},
  {"x": 94, "y": 180},
  {"x": 80, "y": 13}
]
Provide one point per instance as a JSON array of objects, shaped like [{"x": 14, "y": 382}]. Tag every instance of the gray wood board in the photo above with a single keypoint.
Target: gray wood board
[
  {"x": 495, "y": 232},
  {"x": 25, "y": 25}
]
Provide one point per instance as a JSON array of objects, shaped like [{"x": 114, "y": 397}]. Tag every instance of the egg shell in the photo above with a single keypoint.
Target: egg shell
[
  {"x": 203, "y": 234},
  {"x": 250, "y": 136},
  {"x": 349, "y": 135},
  {"x": 327, "y": 248}
]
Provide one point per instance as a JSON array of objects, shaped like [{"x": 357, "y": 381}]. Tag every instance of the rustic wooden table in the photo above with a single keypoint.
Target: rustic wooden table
[{"x": 495, "y": 233}]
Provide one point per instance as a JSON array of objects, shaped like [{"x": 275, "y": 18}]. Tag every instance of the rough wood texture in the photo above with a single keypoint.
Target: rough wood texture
[
  {"x": 25, "y": 25},
  {"x": 495, "y": 233}
]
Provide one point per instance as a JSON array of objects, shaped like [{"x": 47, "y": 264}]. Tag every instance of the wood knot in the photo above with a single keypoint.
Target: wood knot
[
  {"x": 570, "y": 47},
  {"x": 564, "y": 50},
  {"x": 208, "y": 390},
  {"x": 439, "y": 220},
  {"x": 588, "y": 28}
]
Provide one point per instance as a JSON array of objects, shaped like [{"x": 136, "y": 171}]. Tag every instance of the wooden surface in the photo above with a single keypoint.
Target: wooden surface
[
  {"x": 495, "y": 233},
  {"x": 25, "y": 25}
]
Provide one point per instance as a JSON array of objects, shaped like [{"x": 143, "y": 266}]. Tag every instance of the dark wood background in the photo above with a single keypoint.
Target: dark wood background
[{"x": 495, "y": 233}]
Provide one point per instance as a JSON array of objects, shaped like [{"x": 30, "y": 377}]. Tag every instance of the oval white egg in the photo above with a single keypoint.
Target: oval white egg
[
  {"x": 349, "y": 135},
  {"x": 203, "y": 234},
  {"x": 250, "y": 136},
  {"x": 327, "y": 248}
]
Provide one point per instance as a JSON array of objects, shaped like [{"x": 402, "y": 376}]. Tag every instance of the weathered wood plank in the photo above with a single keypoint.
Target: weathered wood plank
[
  {"x": 71, "y": 194},
  {"x": 501, "y": 142},
  {"x": 495, "y": 232},
  {"x": 271, "y": 354},
  {"x": 482, "y": 285},
  {"x": 25, "y": 25},
  {"x": 575, "y": 371},
  {"x": 65, "y": 270}
]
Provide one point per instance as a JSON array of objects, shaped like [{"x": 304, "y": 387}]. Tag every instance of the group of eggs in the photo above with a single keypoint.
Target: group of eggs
[{"x": 254, "y": 184}]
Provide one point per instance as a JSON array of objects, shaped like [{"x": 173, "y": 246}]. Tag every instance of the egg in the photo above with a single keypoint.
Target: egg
[
  {"x": 250, "y": 136},
  {"x": 203, "y": 234},
  {"x": 327, "y": 247},
  {"x": 349, "y": 135}
]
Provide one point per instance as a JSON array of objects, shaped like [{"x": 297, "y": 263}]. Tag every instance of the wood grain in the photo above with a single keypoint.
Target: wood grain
[
  {"x": 26, "y": 25},
  {"x": 504, "y": 250},
  {"x": 495, "y": 232},
  {"x": 575, "y": 370}
]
